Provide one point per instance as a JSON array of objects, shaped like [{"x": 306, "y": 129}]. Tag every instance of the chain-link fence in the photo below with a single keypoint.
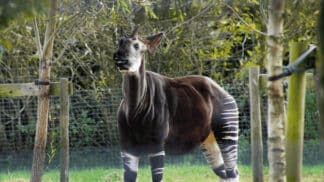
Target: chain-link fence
[{"x": 93, "y": 127}]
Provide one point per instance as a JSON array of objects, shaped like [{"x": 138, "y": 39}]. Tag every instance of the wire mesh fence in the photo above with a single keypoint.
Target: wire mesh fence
[{"x": 94, "y": 134}]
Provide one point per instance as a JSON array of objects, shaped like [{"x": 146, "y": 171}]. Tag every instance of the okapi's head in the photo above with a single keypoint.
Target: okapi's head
[{"x": 130, "y": 53}]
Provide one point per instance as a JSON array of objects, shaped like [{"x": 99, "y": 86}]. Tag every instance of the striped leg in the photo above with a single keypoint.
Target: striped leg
[
  {"x": 130, "y": 165},
  {"x": 226, "y": 133},
  {"x": 213, "y": 155},
  {"x": 157, "y": 166}
]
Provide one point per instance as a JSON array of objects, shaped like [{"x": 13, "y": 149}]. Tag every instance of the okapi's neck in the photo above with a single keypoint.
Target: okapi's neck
[{"x": 134, "y": 87}]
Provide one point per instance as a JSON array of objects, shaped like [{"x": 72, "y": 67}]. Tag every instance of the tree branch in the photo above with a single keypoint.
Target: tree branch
[
  {"x": 265, "y": 19},
  {"x": 191, "y": 19},
  {"x": 38, "y": 41},
  {"x": 243, "y": 21}
]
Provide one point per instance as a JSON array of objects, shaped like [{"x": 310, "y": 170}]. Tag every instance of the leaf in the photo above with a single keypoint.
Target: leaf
[
  {"x": 6, "y": 43},
  {"x": 150, "y": 13}
]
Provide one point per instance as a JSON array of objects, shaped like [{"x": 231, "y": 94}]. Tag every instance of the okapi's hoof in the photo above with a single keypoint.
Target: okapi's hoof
[
  {"x": 232, "y": 176},
  {"x": 220, "y": 171},
  {"x": 232, "y": 173}
]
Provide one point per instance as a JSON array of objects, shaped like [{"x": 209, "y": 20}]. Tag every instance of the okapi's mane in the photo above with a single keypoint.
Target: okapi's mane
[{"x": 153, "y": 100}]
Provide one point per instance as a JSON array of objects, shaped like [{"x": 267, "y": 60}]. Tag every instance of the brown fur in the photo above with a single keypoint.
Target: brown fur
[
  {"x": 174, "y": 115},
  {"x": 158, "y": 112}
]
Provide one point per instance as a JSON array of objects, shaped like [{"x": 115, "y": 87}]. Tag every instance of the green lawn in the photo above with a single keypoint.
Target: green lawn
[{"x": 195, "y": 173}]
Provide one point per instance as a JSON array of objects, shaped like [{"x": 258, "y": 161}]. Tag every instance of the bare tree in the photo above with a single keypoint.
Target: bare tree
[
  {"x": 45, "y": 58},
  {"x": 276, "y": 109}
]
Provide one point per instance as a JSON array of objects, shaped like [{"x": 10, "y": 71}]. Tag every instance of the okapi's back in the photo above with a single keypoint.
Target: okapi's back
[
  {"x": 191, "y": 101},
  {"x": 207, "y": 87}
]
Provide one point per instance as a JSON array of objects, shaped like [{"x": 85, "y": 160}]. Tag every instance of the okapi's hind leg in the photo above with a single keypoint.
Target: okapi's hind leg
[
  {"x": 213, "y": 155},
  {"x": 225, "y": 128}
]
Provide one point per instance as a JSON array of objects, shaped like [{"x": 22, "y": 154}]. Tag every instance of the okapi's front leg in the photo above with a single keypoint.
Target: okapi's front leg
[
  {"x": 130, "y": 165},
  {"x": 157, "y": 166}
]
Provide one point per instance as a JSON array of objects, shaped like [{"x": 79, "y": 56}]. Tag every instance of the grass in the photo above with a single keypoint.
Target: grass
[{"x": 173, "y": 173}]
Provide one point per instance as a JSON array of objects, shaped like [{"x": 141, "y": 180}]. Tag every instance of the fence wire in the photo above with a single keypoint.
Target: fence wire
[{"x": 93, "y": 130}]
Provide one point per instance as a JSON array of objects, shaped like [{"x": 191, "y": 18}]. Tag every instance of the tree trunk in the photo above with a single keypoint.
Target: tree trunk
[
  {"x": 276, "y": 109},
  {"x": 320, "y": 76},
  {"x": 43, "y": 97}
]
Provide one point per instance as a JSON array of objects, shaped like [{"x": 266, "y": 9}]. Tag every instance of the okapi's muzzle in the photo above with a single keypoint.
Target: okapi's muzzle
[{"x": 120, "y": 62}]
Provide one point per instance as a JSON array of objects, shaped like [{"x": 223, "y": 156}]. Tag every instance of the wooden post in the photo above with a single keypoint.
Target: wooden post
[
  {"x": 295, "y": 118},
  {"x": 256, "y": 129},
  {"x": 64, "y": 130}
]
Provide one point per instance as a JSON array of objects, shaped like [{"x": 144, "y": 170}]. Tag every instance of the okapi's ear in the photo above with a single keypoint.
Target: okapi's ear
[
  {"x": 153, "y": 41},
  {"x": 135, "y": 32}
]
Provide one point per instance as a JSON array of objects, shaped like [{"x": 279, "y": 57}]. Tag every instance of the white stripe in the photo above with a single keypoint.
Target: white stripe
[
  {"x": 157, "y": 154},
  {"x": 230, "y": 113},
  {"x": 234, "y": 132},
  {"x": 231, "y": 109},
  {"x": 229, "y": 102},
  {"x": 228, "y": 126},
  {"x": 130, "y": 160},
  {"x": 234, "y": 117},
  {"x": 158, "y": 170},
  {"x": 230, "y": 138},
  {"x": 128, "y": 155},
  {"x": 232, "y": 122},
  {"x": 229, "y": 148}
]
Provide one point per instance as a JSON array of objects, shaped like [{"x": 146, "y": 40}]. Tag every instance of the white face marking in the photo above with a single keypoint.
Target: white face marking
[{"x": 136, "y": 51}]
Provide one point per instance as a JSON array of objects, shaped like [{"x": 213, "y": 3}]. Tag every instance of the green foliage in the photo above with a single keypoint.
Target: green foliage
[
  {"x": 84, "y": 128},
  {"x": 311, "y": 130},
  {"x": 313, "y": 153},
  {"x": 16, "y": 12},
  {"x": 202, "y": 37},
  {"x": 1, "y": 53},
  {"x": 19, "y": 10},
  {"x": 244, "y": 151}
]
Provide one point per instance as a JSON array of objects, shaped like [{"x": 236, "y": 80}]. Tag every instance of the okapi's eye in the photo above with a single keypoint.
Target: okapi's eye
[{"x": 136, "y": 46}]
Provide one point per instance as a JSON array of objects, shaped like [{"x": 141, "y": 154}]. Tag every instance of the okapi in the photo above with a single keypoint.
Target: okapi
[{"x": 161, "y": 115}]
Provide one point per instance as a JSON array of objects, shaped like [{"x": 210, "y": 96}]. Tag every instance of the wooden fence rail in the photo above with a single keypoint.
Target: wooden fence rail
[
  {"x": 63, "y": 89},
  {"x": 30, "y": 89}
]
